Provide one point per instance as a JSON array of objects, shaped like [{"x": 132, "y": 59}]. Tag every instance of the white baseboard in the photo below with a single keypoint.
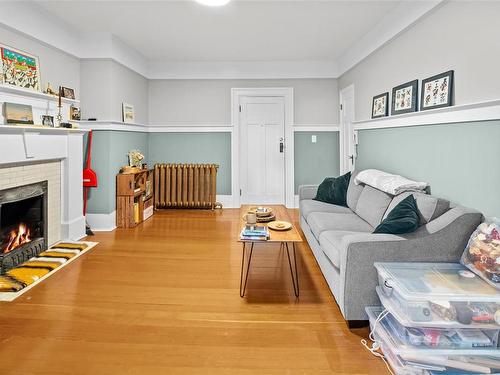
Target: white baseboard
[{"x": 102, "y": 222}]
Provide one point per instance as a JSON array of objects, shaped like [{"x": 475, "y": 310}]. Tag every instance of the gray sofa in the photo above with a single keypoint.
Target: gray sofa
[{"x": 345, "y": 247}]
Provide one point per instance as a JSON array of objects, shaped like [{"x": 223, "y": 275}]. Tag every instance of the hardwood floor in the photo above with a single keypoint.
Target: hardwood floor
[{"x": 163, "y": 299}]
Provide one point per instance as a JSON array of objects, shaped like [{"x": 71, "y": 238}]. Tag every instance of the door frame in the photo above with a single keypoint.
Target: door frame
[
  {"x": 287, "y": 94},
  {"x": 344, "y": 167}
]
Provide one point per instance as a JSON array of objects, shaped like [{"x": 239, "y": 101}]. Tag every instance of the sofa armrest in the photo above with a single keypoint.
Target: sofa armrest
[
  {"x": 307, "y": 191},
  {"x": 443, "y": 241}
]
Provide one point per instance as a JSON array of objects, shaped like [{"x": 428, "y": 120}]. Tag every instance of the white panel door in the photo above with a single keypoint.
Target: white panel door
[{"x": 262, "y": 147}]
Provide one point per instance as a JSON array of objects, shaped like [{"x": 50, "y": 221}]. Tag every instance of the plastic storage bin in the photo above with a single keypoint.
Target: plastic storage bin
[
  {"x": 406, "y": 358},
  {"x": 444, "y": 295}
]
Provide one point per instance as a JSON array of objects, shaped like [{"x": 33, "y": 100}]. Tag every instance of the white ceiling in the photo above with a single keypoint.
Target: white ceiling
[{"x": 179, "y": 31}]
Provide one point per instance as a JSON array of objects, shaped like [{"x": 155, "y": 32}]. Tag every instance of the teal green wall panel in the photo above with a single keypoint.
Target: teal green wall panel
[
  {"x": 315, "y": 161},
  {"x": 109, "y": 153},
  {"x": 195, "y": 148},
  {"x": 459, "y": 161}
]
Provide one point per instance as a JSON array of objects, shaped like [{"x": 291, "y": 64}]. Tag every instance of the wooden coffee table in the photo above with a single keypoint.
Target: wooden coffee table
[{"x": 284, "y": 238}]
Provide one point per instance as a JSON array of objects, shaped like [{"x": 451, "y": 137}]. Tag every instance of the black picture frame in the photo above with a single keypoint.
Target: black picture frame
[
  {"x": 67, "y": 93},
  {"x": 426, "y": 96},
  {"x": 386, "y": 109},
  {"x": 414, "y": 97}
]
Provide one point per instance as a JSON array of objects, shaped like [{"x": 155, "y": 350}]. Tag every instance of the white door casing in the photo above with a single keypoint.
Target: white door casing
[
  {"x": 262, "y": 154},
  {"x": 347, "y": 135},
  {"x": 237, "y": 94}
]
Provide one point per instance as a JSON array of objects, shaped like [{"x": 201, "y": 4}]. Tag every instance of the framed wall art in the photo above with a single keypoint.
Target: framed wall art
[
  {"x": 380, "y": 105},
  {"x": 16, "y": 113},
  {"x": 405, "y": 98},
  {"x": 18, "y": 68},
  {"x": 437, "y": 91},
  {"x": 67, "y": 93},
  {"x": 128, "y": 113}
]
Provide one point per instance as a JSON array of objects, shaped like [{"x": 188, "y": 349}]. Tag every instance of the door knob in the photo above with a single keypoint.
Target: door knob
[{"x": 282, "y": 145}]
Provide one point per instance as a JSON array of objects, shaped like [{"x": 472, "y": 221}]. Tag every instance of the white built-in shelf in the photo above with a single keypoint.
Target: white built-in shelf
[
  {"x": 33, "y": 94},
  {"x": 19, "y": 129},
  {"x": 482, "y": 111}
]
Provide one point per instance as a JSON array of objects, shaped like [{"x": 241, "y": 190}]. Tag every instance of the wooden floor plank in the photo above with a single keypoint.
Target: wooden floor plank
[{"x": 163, "y": 298}]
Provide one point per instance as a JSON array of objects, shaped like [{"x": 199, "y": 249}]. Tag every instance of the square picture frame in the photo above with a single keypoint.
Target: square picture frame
[
  {"x": 437, "y": 91},
  {"x": 128, "y": 113},
  {"x": 67, "y": 93},
  {"x": 380, "y": 105},
  {"x": 405, "y": 98},
  {"x": 19, "y": 68}
]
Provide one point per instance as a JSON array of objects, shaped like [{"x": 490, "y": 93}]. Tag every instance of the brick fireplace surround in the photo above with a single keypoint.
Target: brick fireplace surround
[{"x": 29, "y": 155}]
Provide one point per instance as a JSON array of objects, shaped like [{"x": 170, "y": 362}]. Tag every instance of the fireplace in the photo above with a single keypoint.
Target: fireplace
[{"x": 23, "y": 224}]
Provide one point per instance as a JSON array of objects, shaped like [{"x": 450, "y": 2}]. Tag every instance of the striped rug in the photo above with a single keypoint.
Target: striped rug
[{"x": 20, "y": 279}]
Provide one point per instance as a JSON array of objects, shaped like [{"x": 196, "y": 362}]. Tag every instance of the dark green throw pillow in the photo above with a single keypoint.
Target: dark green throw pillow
[
  {"x": 402, "y": 219},
  {"x": 334, "y": 190}
]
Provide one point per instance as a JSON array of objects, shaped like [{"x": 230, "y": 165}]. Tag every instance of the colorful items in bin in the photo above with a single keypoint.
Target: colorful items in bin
[{"x": 482, "y": 254}]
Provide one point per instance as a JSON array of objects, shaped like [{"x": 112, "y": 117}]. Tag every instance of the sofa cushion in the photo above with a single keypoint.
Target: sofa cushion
[
  {"x": 429, "y": 207},
  {"x": 334, "y": 190},
  {"x": 308, "y": 206},
  {"x": 321, "y": 221},
  {"x": 372, "y": 204},
  {"x": 353, "y": 192},
  {"x": 331, "y": 243},
  {"x": 402, "y": 219}
]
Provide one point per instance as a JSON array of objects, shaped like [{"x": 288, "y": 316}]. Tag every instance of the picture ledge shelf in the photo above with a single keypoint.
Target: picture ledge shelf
[
  {"x": 481, "y": 111},
  {"x": 33, "y": 94},
  {"x": 17, "y": 129}
]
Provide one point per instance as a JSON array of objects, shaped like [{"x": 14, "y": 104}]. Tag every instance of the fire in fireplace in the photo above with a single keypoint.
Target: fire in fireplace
[{"x": 23, "y": 224}]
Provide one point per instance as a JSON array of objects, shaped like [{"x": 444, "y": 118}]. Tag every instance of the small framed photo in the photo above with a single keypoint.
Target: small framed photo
[
  {"x": 128, "y": 113},
  {"x": 48, "y": 120},
  {"x": 67, "y": 93},
  {"x": 74, "y": 113},
  {"x": 437, "y": 91},
  {"x": 405, "y": 98},
  {"x": 380, "y": 105}
]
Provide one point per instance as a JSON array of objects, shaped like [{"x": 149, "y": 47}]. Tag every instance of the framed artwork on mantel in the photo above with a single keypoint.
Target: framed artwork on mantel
[
  {"x": 128, "y": 113},
  {"x": 405, "y": 98},
  {"x": 19, "y": 68},
  {"x": 380, "y": 105},
  {"x": 437, "y": 91}
]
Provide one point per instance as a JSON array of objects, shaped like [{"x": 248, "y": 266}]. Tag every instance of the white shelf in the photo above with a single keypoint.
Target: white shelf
[
  {"x": 33, "y": 94},
  {"x": 19, "y": 129},
  {"x": 482, "y": 111}
]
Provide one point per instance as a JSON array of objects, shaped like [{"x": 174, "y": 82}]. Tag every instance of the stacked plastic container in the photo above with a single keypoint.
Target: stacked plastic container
[{"x": 437, "y": 318}]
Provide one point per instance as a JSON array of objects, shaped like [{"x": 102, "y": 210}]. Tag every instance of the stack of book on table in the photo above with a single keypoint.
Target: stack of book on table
[
  {"x": 254, "y": 233},
  {"x": 436, "y": 318}
]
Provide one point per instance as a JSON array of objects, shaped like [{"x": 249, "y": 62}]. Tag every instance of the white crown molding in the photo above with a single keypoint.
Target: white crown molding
[
  {"x": 481, "y": 111},
  {"x": 394, "y": 23},
  {"x": 29, "y": 18},
  {"x": 242, "y": 69}
]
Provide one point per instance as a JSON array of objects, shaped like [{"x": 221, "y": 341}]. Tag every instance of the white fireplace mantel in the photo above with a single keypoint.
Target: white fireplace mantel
[{"x": 27, "y": 145}]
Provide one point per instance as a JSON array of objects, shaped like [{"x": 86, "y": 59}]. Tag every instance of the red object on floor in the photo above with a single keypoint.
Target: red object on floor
[{"x": 89, "y": 175}]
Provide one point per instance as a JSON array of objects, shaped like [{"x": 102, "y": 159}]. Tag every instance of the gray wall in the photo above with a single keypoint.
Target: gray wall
[
  {"x": 208, "y": 102},
  {"x": 56, "y": 67},
  {"x": 462, "y": 36},
  {"x": 106, "y": 84},
  {"x": 315, "y": 161},
  {"x": 459, "y": 161}
]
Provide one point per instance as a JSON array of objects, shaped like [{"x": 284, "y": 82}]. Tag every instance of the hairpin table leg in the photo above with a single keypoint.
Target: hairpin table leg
[
  {"x": 295, "y": 278},
  {"x": 242, "y": 291}
]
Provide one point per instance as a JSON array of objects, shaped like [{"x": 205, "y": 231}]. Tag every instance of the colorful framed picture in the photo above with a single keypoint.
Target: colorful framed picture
[
  {"x": 405, "y": 98},
  {"x": 380, "y": 105},
  {"x": 67, "y": 93},
  {"x": 18, "y": 68},
  {"x": 437, "y": 91},
  {"x": 16, "y": 113},
  {"x": 128, "y": 113}
]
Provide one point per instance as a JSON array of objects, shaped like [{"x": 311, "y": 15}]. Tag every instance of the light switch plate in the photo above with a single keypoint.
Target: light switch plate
[{"x": 313, "y": 138}]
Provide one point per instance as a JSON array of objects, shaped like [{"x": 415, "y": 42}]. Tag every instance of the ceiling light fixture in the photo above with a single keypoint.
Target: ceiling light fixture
[{"x": 213, "y": 3}]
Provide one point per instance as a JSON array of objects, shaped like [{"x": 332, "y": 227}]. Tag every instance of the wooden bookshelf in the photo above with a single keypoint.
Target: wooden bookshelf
[{"x": 134, "y": 198}]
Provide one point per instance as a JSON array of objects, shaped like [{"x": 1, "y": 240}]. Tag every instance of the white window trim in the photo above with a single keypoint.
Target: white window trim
[{"x": 287, "y": 94}]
